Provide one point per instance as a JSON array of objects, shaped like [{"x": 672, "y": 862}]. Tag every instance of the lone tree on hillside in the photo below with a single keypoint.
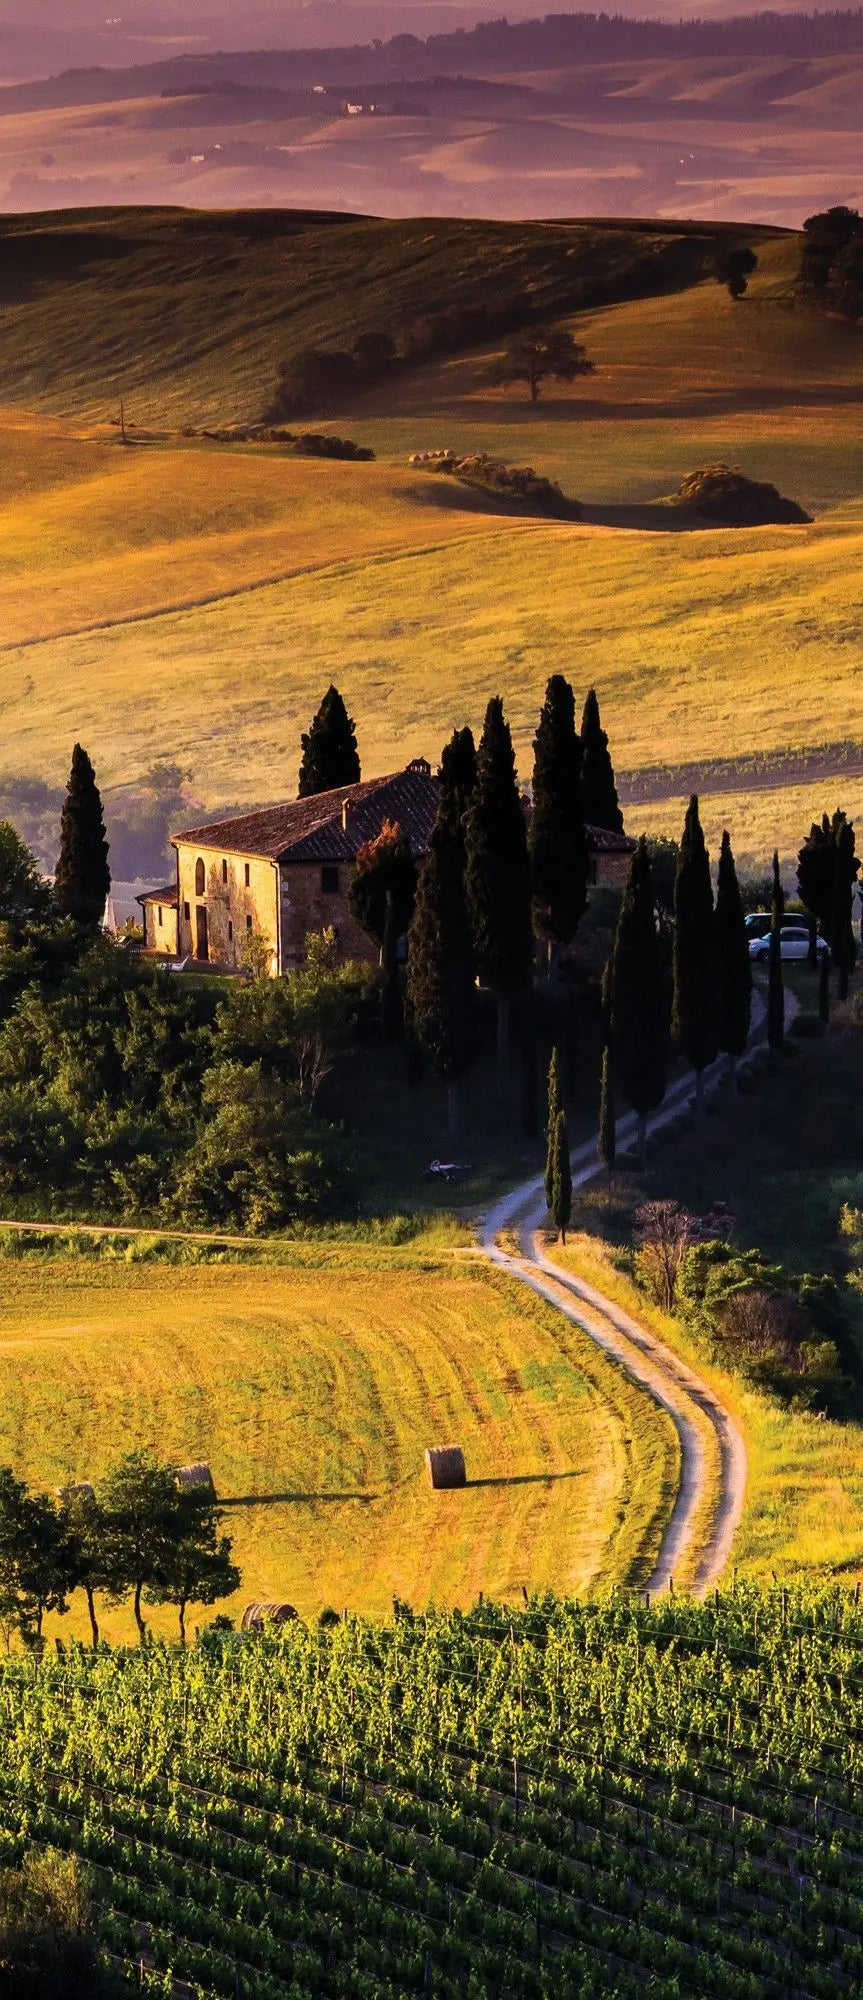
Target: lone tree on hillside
[
  {"x": 532, "y": 357},
  {"x": 561, "y": 1187},
  {"x": 735, "y": 970},
  {"x": 598, "y": 790},
  {"x": 694, "y": 1024},
  {"x": 330, "y": 757},
  {"x": 775, "y": 982},
  {"x": 640, "y": 996},
  {"x": 441, "y": 975},
  {"x": 558, "y": 847},
  {"x": 497, "y": 873},
  {"x": 734, "y": 266},
  {"x": 82, "y": 880}
]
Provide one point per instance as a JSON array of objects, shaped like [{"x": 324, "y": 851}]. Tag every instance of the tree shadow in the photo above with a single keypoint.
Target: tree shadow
[
  {"x": 281, "y": 1499},
  {"x": 526, "y": 1479}
]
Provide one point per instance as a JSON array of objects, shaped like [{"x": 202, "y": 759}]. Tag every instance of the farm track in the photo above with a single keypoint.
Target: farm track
[{"x": 698, "y": 1536}]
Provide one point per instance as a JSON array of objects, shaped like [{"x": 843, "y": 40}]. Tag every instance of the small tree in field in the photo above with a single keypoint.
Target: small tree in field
[
  {"x": 735, "y": 264},
  {"x": 665, "y": 1232},
  {"x": 532, "y": 357},
  {"x": 142, "y": 1525}
]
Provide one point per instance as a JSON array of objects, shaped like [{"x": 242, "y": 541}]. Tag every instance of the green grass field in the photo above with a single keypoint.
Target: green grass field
[
  {"x": 190, "y": 601},
  {"x": 313, "y": 1390}
]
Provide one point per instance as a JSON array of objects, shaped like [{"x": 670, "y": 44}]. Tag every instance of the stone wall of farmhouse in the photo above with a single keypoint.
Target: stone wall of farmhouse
[
  {"x": 160, "y": 937},
  {"x": 315, "y": 895},
  {"x": 222, "y": 897}
]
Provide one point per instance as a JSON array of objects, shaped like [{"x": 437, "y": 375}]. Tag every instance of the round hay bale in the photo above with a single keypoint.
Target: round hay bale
[
  {"x": 194, "y": 1478},
  {"x": 445, "y": 1467},
  {"x": 256, "y": 1616}
]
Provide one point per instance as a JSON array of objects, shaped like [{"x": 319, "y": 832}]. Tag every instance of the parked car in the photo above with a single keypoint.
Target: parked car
[
  {"x": 794, "y": 943},
  {"x": 759, "y": 923}
]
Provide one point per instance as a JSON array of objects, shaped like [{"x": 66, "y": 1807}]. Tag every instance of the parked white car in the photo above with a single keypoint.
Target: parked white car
[{"x": 794, "y": 943}]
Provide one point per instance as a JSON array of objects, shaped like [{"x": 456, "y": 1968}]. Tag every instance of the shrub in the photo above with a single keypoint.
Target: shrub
[
  {"x": 721, "y": 494},
  {"x": 48, "y": 1942}
]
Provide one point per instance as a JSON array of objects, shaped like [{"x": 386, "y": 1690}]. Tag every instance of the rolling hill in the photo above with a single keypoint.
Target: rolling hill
[{"x": 189, "y": 601}]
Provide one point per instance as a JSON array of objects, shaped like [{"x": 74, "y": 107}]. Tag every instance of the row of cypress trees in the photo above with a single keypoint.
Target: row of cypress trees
[
  {"x": 700, "y": 1006},
  {"x": 489, "y": 884}
]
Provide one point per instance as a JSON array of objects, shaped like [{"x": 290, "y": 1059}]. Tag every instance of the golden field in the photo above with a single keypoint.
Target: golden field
[
  {"x": 192, "y": 601},
  {"x": 313, "y": 1390}
]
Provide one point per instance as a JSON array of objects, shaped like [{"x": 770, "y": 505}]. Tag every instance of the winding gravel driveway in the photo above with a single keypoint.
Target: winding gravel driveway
[{"x": 704, "y": 1541}]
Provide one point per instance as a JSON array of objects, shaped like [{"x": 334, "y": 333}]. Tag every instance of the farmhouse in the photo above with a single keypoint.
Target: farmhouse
[{"x": 284, "y": 872}]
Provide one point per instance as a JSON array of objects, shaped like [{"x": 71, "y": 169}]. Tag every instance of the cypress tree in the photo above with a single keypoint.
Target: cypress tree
[
  {"x": 457, "y": 774},
  {"x": 639, "y": 990},
  {"x": 330, "y": 758},
  {"x": 529, "y": 1068},
  {"x": 555, "y": 1106},
  {"x": 607, "y": 1146},
  {"x": 599, "y": 801},
  {"x": 558, "y": 847},
  {"x": 775, "y": 983},
  {"x": 83, "y": 879},
  {"x": 497, "y": 873},
  {"x": 694, "y": 1024},
  {"x": 441, "y": 970},
  {"x": 735, "y": 970},
  {"x": 561, "y": 1191},
  {"x": 843, "y": 943}
]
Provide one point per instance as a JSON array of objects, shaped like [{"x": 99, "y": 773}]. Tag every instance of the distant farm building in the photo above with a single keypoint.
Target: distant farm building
[{"x": 284, "y": 872}]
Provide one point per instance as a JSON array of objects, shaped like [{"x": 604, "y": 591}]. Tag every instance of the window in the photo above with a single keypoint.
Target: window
[
  {"x": 159, "y": 916},
  {"x": 329, "y": 879},
  {"x": 248, "y": 874},
  {"x": 186, "y": 911},
  {"x": 224, "y": 871},
  {"x": 200, "y": 878},
  {"x": 248, "y": 923},
  {"x": 230, "y": 932}
]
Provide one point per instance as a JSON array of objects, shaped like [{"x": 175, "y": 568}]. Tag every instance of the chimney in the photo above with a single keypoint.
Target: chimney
[{"x": 345, "y": 808}]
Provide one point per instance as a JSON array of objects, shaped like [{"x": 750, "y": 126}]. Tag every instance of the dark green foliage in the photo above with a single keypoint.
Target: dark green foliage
[
  {"x": 257, "y": 1161},
  {"x": 824, "y": 988},
  {"x": 827, "y": 869},
  {"x": 441, "y": 975},
  {"x": 607, "y": 1145},
  {"x": 694, "y": 1023},
  {"x": 317, "y": 379},
  {"x": 841, "y": 934},
  {"x": 24, "y": 897},
  {"x": 538, "y": 353},
  {"x": 558, "y": 849},
  {"x": 457, "y": 774},
  {"x": 735, "y": 263},
  {"x": 664, "y": 856},
  {"x": 554, "y": 1106},
  {"x": 735, "y": 970},
  {"x": 639, "y": 993},
  {"x": 383, "y": 885},
  {"x": 497, "y": 869},
  {"x": 83, "y": 879},
  {"x": 530, "y": 1109},
  {"x": 787, "y": 1333},
  {"x": 599, "y": 801},
  {"x": 197, "y": 1567},
  {"x": 561, "y": 1183},
  {"x": 831, "y": 265},
  {"x": 775, "y": 981},
  {"x": 330, "y": 758},
  {"x": 36, "y": 1569},
  {"x": 48, "y": 1934}
]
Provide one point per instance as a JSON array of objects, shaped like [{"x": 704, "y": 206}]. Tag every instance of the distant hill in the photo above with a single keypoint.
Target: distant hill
[{"x": 189, "y": 314}]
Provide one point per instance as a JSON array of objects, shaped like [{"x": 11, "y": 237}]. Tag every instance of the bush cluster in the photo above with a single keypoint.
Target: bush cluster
[
  {"x": 785, "y": 1332},
  {"x": 495, "y": 476}
]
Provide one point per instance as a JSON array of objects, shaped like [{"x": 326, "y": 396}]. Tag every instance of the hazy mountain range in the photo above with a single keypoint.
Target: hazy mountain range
[{"x": 748, "y": 118}]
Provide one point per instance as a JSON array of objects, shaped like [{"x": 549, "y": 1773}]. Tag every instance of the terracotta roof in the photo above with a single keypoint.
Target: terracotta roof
[
  {"x": 168, "y": 895},
  {"x": 315, "y": 830},
  {"x": 312, "y": 829}
]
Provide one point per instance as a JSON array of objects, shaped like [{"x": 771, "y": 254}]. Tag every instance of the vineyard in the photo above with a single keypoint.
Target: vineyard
[{"x": 580, "y": 1798}]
